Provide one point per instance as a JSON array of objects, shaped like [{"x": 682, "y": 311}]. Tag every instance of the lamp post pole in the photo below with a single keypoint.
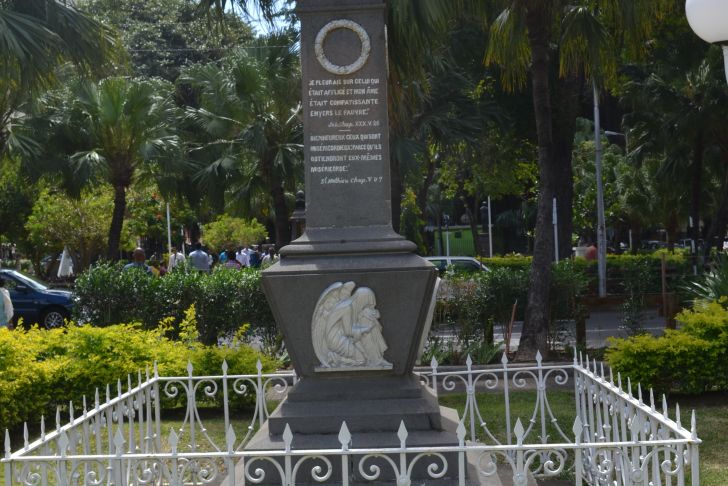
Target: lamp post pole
[
  {"x": 490, "y": 231},
  {"x": 601, "y": 224}
]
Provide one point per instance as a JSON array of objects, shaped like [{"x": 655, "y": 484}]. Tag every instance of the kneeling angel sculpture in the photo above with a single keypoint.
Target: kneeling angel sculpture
[{"x": 346, "y": 330}]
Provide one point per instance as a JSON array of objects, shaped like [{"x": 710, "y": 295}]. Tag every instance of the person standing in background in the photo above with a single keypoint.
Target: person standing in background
[
  {"x": 175, "y": 258},
  {"x": 6, "y": 306},
  {"x": 139, "y": 259},
  {"x": 199, "y": 260},
  {"x": 242, "y": 256}
]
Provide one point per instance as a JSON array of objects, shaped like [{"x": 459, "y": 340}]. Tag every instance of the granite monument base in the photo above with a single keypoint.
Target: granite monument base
[
  {"x": 264, "y": 440},
  {"x": 366, "y": 404}
]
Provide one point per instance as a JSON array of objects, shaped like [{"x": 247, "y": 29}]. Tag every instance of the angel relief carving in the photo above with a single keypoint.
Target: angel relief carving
[{"x": 346, "y": 330}]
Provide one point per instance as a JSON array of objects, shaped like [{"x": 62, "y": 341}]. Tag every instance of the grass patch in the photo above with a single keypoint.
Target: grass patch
[
  {"x": 712, "y": 411},
  {"x": 523, "y": 403}
]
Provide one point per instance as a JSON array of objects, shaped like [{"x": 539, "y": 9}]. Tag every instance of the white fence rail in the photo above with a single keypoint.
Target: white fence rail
[{"x": 616, "y": 439}]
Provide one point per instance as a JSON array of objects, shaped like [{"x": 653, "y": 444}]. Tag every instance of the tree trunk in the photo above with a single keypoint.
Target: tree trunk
[
  {"x": 535, "y": 326},
  {"x": 117, "y": 222},
  {"x": 282, "y": 223}
]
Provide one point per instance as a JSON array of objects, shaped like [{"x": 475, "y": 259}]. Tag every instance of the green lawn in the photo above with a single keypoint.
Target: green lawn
[{"x": 712, "y": 410}]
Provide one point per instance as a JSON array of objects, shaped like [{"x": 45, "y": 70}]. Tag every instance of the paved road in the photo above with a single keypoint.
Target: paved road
[{"x": 599, "y": 326}]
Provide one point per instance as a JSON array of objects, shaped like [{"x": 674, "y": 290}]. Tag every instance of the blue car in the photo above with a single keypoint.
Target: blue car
[{"x": 35, "y": 302}]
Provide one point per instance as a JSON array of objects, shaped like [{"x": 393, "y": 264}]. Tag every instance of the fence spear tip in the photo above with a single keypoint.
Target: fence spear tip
[
  {"x": 402, "y": 433},
  {"x": 344, "y": 436},
  {"x": 287, "y": 437}
]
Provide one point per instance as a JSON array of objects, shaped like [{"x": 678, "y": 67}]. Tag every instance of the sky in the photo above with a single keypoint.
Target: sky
[{"x": 261, "y": 25}]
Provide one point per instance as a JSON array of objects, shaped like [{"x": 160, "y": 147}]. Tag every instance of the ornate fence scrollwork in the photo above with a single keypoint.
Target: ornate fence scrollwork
[{"x": 618, "y": 437}]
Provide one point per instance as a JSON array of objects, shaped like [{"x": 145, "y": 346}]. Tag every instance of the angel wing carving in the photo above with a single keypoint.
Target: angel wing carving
[{"x": 333, "y": 294}]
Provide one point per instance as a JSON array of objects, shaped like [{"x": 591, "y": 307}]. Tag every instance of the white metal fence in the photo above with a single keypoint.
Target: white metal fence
[{"x": 616, "y": 439}]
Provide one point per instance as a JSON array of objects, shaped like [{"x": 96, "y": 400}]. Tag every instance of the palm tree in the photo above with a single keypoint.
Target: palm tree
[
  {"x": 676, "y": 113},
  {"x": 37, "y": 36},
  {"x": 250, "y": 114},
  {"x": 113, "y": 132},
  {"x": 573, "y": 39}
]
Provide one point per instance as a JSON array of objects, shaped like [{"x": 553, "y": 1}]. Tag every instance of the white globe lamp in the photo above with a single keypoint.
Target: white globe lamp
[{"x": 709, "y": 20}]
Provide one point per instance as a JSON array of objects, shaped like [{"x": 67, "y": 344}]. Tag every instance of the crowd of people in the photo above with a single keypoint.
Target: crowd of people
[{"x": 203, "y": 261}]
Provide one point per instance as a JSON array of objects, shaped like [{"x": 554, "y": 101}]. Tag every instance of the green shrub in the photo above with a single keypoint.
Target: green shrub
[
  {"x": 475, "y": 304},
  {"x": 691, "y": 360},
  {"x": 225, "y": 299},
  {"x": 713, "y": 285},
  {"x": 41, "y": 369},
  {"x": 618, "y": 267}
]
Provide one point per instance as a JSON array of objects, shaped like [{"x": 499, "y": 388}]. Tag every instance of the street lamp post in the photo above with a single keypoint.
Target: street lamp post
[
  {"x": 709, "y": 20},
  {"x": 601, "y": 220}
]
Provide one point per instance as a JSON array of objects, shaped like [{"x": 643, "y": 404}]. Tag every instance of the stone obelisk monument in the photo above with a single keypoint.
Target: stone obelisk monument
[{"x": 350, "y": 296}]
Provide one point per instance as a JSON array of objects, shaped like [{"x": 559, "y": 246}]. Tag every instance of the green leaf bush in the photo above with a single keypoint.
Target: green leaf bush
[
  {"x": 690, "y": 360},
  {"x": 41, "y": 369},
  {"x": 619, "y": 269},
  {"x": 225, "y": 299},
  {"x": 474, "y": 304}
]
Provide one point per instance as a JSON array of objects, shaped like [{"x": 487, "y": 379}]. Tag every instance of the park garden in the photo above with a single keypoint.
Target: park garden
[{"x": 519, "y": 132}]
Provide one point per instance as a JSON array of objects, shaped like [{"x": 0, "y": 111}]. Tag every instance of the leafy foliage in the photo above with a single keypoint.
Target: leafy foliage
[
  {"x": 112, "y": 131},
  {"x": 693, "y": 359},
  {"x": 42, "y": 369},
  {"x": 163, "y": 36},
  {"x": 476, "y": 304},
  {"x": 246, "y": 130},
  {"x": 714, "y": 285},
  {"x": 228, "y": 233},
  {"x": 225, "y": 300},
  {"x": 81, "y": 224}
]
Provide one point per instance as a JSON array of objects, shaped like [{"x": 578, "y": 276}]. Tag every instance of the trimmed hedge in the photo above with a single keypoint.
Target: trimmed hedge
[
  {"x": 225, "y": 299},
  {"x": 41, "y": 369},
  {"x": 620, "y": 269},
  {"x": 692, "y": 359}
]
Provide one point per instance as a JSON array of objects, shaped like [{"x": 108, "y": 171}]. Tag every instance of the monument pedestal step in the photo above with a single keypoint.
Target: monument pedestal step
[
  {"x": 263, "y": 441},
  {"x": 368, "y": 404}
]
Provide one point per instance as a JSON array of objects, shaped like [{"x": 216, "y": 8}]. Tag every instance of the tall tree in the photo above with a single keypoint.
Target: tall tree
[
  {"x": 112, "y": 131},
  {"x": 36, "y": 37},
  {"x": 541, "y": 37},
  {"x": 676, "y": 109},
  {"x": 249, "y": 110},
  {"x": 163, "y": 36}
]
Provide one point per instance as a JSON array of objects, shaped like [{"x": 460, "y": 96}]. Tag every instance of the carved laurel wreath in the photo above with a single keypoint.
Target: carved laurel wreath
[{"x": 366, "y": 46}]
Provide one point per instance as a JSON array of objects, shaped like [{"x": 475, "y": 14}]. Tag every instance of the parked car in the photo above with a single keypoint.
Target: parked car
[
  {"x": 35, "y": 302},
  {"x": 458, "y": 263}
]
